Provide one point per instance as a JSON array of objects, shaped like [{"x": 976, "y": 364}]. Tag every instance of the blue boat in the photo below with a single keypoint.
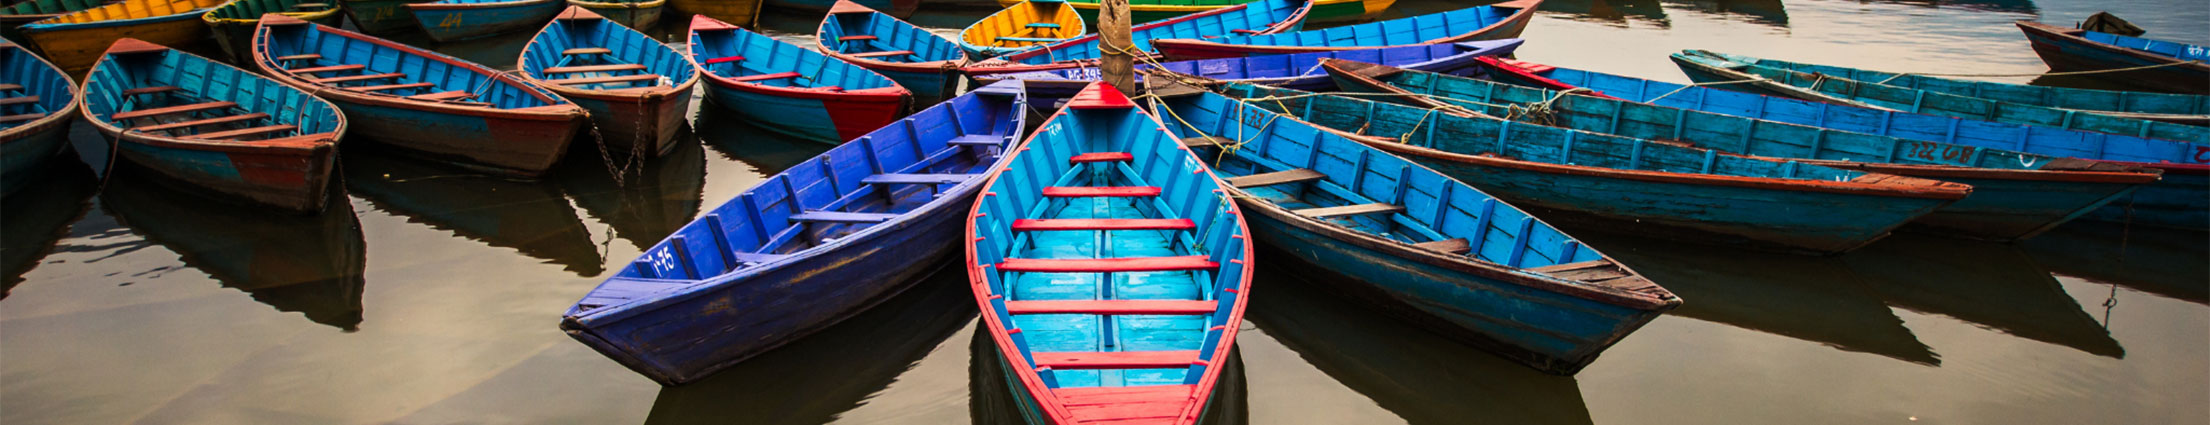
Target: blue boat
[
  {"x": 202, "y": 124},
  {"x": 1629, "y": 184},
  {"x": 1707, "y": 67},
  {"x": 806, "y": 248},
  {"x": 1258, "y": 17},
  {"x": 921, "y": 61},
  {"x": 2015, "y": 195},
  {"x": 456, "y": 20},
  {"x": 789, "y": 89},
  {"x": 1111, "y": 268},
  {"x": 2181, "y": 199},
  {"x": 637, "y": 89},
  {"x": 1470, "y": 264},
  {"x": 2161, "y": 65},
  {"x": 1491, "y": 22},
  {"x": 1298, "y": 71},
  {"x": 2187, "y": 109},
  {"x": 36, "y": 106}
]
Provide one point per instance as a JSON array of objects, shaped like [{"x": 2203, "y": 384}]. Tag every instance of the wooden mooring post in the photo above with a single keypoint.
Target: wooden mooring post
[{"x": 1118, "y": 65}]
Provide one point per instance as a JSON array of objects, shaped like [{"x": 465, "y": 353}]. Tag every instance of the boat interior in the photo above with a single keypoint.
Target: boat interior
[
  {"x": 361, "y": 64},
  {"x": 592, "y": 53},
  {"x": 153, "y": 89},
  {"x": 32, "y": 90}
]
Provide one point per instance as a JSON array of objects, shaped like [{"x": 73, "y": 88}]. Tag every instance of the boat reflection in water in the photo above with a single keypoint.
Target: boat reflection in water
[
  {"x": 1619, "y": 13},
  {"x": 656, "y": 196},
  {"x": 31, "y": 221},
  {"x": 1421, "y": 376},
  {"x": 310, "y": 264},
  {"x": 1990, "y": 284},
  {"x": 1808, "y": 298},
  {"x": 1762, "y": 12},
  {"x": 990, "y": 390},
  {"x": 739, "y": 141},
  {"x": 813, "y": 380},
  {"x": 2162, "y": 261},
  {"x": 530, "y": 217}
]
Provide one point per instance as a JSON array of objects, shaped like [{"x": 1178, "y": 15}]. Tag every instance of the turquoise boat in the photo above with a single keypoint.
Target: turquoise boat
[
  {"x": 2190, "y": 109},
  {"x": 456, "y": 20},
  {"x": 36, "y": 106},
  {"x": 637, "y": 89},
  {"x": 789, "y": 89},
  {"x": 2156, "y": 64},
  {"x": 921, "y": 61}
]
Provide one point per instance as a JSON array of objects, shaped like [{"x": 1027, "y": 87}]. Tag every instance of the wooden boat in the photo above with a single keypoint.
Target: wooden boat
[
  {"x": 434, "y": 105},
  {"x": 456, "y": 20},
  {"x": 2180, "y": 199},
  {"x": 1633, "y": 184},
  {"x": 1097, "y": 329},
  {"x": 15, "y": 15},
  {"x": 843, "y": 231},
  {"x": 381, "y": 17},
  {"x": 247, "y": 138},
  {"x": 2015, "y": 195},
  {"x": 75, "y": 40},
  {"x": 2174, "y": 108},
  {"x": 635, "y": 14},
  {"x": 1141, "y": 11},
  {"x": 790, "y": 89},
  {"x": 899, "y": 8},
  {"x": 1711, "y": 68},
  {"x": 1020, "y": 26},
  {"x": 922, "y": 62},
  {"x": 733, "y": 12},
  {"x": 1298, "y": 71},
  {"x": 36, "y": 106},
  {"x": 2073, "y": 50},
  {"x": 234, "y": 22},
  {"x": 1468, "y": 262},
  {"x": 1259, "y": 17},
  {"x": 637, "y": 89},
  {"x": 1496, "y": 21}
]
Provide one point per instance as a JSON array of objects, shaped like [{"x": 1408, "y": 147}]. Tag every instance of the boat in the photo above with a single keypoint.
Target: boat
[
  {"x": 1628, "y": 184},
  {"x": 842, "y": 232},
  {"x": 75, "y": 40},
  {"x": 1706, "y": 67},
  {"x": 36, "y": 106},
  {"x": 233, "y": 22},
  {"x": 1020, "y": 26},
  {"x": 1465, "y": 263},
  {"x": 635, "y": 14},
  {"x": 1135, "y": 329},
  {"x": 15, "y": 15},
  {"x": 2174, "y": 108},
  {"x": 1259, "y": 17},
  {"x": 381, "y": 17},
  {"x": 1491, "y": 22},
  {"x": 924, "y": 63},
  {"x": 2015, "y": 195},
  {"x": 2178, "y": 67},
  {"x": 201, "y": 124},
  {"x": 2181, "y": 199},
  {"x": 455, "y": 20},
  {"x": 1141, "y": 11},
  {"x": 733, "y": 12},
  {"x": 637, "y": 89},
  {"x": 1298, "y": 71},
  {"x": 789, "y": 89},
  {"x": 435, "y": 105}
]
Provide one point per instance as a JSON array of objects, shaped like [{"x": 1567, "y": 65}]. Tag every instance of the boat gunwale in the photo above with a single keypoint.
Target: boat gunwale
[
  {"x": 2072, "y": 34},
  {"x": 557, "y": 109},
  {"x": 57, "y": 117}
]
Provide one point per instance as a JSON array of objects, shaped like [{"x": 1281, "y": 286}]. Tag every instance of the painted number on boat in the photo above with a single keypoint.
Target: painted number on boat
[
  {"x": 663, "y": 262},
  {"x": 1937, "y": 152},
  {"x": 2202, "y": 154},
  {"x": 451, "y": 20}
]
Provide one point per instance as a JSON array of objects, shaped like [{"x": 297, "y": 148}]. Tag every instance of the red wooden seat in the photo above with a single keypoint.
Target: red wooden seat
[
  {"x": 1127, "y": 405},
  {"x": 331, "y": 68},
  {"x": 856, "y": 38},
  {"x": 1041, "y": 224},
  {"x": 18, "y": 100},
  {"x": 1102, "y": 157},
  {"x": 882, "y": 54},
  {"x": 395, "y": 87},
  {"x": 1115, "y": 307},
  {"x": 594, "y": 68},
  {"x": 762, "y": 77},
  {"x": 1108, "y": 265},
  {"x": 142, "y": 113},
  {"x": 19, "y": 118},
  {"x": 1100, "y": 191},
  {"x": 352, "y": 78},
  {"x": 603, "y": 80},
  {"x": 586, "y": 51},
  {"x": 443, "y": 96},
  {"x": 309, "y": 56},
  {"x": 724, "y": 60},
  {"x": 196, "y": 123},
  {"x": 245, "y": 132},
  {"x": 148, "y": 90},
  {"x": 1115, "y": 359}
]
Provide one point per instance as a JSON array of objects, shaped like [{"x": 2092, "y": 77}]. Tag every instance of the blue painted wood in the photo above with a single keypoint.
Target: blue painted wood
[
  {"x": 32, "y": 133},
  {"x": 1666, "y": 188},
  {"x": 1298, "y": 71},
  {"x": 2168, "y": 107},
  {"x": 2015, "y": 195},
  {"x": 921, "y": 61},
  {"x": 747, "y": 277},
  {"x": 1266, "y": 16},
  {"x": 455, "y": 20},
  {"x": 2155, "y": 64},
  {"x": 1192, "y": 346},
  {"x": 1521, "y": 288},
  {"x": 638, "y": 116},
  {"x": 1498, "y": 21},
  {"x": 2175, "y": 201},
  {"x": 791, "y": 89}
]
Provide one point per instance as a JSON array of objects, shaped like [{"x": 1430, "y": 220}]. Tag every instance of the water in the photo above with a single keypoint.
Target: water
[{"x": 430, "y": 296}]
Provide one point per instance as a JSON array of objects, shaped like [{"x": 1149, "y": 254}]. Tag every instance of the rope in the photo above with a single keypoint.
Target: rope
[
  {"x": 2098, "y": 71},
  {"x": 1654, "y": 100}
]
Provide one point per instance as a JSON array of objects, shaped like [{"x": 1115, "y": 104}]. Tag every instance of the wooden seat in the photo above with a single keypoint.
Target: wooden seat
[
  {"x": 762, "y": 77},
  {"x": 1108, "y": 265},
  {"x": 977, "y": 140},
  {"x": 594, "y": 68},
  {"x": 882, "y": 54},
  {"x": 331, "y": 68},
  {"x": 841, "y": 217},
  {"x": 395, "y": 87},
  {"x": 1101, "y": 157},
  {"x": 605, "y": 80},
  {"x": 1452, "y": 246},
  {"x": 246, "y": 132},
  {"x": 348, "y": 79},
  {"x": 443, "y": 96},
  {"x": 1199, "y": 142},
  {"x": 18, "y": 100},
  {"x": 311, "y": 6},
  {"x": 755, "y": 258},
  {"x": 309, "y": 56},
  {"x": 1113, "y": 307},
  {"x": 19, "y": 118},
  {"x": 148, "y": 90},
  {"x": 1300, "y": 175},
  {"x": 7, "y": 87},
  {"x": 586, "y": 51},
  {"x": 196, "y": 123},
  {"x": 1100, "y": 191},
  {"x": 1350, "y": 210},
  {"x": 916, "y": 178},
  {"x": 142, "y": 113},
  {"x": 1042, "y": 25},
  {"x": 856, "y": 38},
  {"x": 724, "y": 59},
  {"x": 1115, "y": 359},
  {"x": 1045, "y": 224}
]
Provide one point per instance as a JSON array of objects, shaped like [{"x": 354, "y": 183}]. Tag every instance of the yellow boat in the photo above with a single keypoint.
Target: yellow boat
[
  {"x": 1019, "y": 26},
  {"x": 74, "y": 41},
  {"x": 1142, "y": 11},
  {"x": 735, "y": 12}
]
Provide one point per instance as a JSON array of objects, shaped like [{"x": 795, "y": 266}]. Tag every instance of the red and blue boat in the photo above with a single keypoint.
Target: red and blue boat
[
  {"x": 1491, "y": 22},
  {"x": 1258, "y": 17},
  {"x": 1298, "y": 71},
  {"x": 201, "y": 124},
  {"x": 2164, "y": 65},
  {"x": 637, "y": 89},
  {"x": 1111, "y": 267},
  {"x": 791, "y": 89},
  {"x": 1431, "y": 248},
  {"x": 428, "y": 103},
  {"x": 2181, "y": 199},
  {"x": 456, "y": 20},
  {"x": 805, "y": 249},
  {"x": 36, "y": 106},
  {"x": 921, "y": 61}
]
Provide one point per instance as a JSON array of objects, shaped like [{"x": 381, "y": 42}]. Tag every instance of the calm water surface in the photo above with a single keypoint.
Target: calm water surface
[{"x": 430, "y": 296}]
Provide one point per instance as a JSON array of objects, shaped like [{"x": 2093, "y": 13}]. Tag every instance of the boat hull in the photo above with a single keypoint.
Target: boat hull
[
  {"x": 289, "y": 177},
  {"x": 928, "y": 86},
  {"x": 2008, "y": 210},
  {"x": 524, "y": 146},
  {"x": 75, "y": 47},
  {"x": 2064, "y": 51},
  {"x": 381, "y": 17},
  {"x": 640, "y": 15},
  {"x": 24, "y": 151},
  {"x": 814, "y": 118},
  {"x": 2181, "y": 200},
  {"x": 446, "y": 24}
]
